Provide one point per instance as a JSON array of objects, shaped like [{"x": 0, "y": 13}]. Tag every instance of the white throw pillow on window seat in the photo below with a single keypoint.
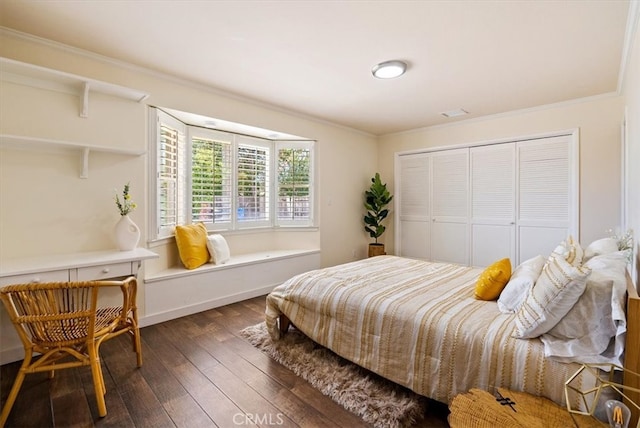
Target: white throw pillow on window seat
[{"x": 218, "y": 248}]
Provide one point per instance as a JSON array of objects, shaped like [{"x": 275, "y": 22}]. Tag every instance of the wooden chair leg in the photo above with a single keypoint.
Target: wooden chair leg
[
  {"x": 17, "y": 384},
  {"x": 137, "y": 346},
  {"x": 98, "y": 381}
]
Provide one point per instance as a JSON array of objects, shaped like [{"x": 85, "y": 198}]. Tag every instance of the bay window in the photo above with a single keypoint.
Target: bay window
[{"x": 226, "y": 180}]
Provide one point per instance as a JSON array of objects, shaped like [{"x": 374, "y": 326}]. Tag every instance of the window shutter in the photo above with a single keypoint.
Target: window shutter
[
  {"x": 294, "y": 168},
  {"x": 171, "y": 170},
  {"x": 253, "y": 181},
  {"x": 211, "y": 179}
]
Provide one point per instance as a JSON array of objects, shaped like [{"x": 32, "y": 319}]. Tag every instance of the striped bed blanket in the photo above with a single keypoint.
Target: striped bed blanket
[{"x": 418, "y": 324}]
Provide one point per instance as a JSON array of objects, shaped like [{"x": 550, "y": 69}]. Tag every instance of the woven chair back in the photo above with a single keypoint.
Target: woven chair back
[{"x": 53, "y": 314}]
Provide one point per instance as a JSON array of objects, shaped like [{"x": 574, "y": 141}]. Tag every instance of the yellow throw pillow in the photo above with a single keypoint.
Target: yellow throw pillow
[
  {"x": 493, "y": 280},
  {"x": 192, "y": 245}
]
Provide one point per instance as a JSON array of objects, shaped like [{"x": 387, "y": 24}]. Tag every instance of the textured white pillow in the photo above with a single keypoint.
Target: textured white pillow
[
  {"x": 585, "y": 333},
  {"x": 600, "y": 246},
  {"x": 571, "y": 251},
  {"x": 522, "y": 279},
  {"x": 558, "y": 288},
  {"x": 218, "y": 248}
]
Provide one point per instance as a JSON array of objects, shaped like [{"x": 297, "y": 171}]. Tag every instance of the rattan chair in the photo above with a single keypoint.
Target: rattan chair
[{"x": 62, "y": 322}]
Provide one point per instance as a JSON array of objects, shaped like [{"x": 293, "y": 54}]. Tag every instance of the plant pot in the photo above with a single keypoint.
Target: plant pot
[{"x": 376, "y": 250}]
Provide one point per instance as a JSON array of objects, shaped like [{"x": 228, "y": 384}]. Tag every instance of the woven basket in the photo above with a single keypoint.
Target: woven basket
[{"x": 481, "y": 409}]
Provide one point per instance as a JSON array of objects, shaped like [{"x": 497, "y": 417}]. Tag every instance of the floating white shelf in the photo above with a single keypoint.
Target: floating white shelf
[
  {"x": 55, "y": 80},
  {"x": 22, "y": 142}
]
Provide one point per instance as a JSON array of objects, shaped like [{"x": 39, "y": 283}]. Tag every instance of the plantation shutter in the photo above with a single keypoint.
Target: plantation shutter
[
  {"x": 294, "y": 183},
  {"x": 253, "y": 178},
  {"x": 211, "y": 178},
  {"x": 171, "y": 173}
]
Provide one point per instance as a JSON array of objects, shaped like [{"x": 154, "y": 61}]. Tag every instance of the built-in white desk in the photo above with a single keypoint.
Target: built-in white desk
[{"x": 87, "y": 266}]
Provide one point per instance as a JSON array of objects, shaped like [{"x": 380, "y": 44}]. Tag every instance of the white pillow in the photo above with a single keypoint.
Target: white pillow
[
  {"x": 571, "y": 251},
  {"x": 558, "y": 288},
  {"x": 600, "y": 246},
  {"x": 522, "y": 279},
  {"x": 587, "y": 330},
  {"x": 218, "y": 248}
]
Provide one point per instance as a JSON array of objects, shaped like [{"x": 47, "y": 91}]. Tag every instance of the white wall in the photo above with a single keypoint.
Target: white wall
[
  {"x": 45, "y": 208},
  {"x": 598, "y": 119},
  {"x": 631, "y": 92}
]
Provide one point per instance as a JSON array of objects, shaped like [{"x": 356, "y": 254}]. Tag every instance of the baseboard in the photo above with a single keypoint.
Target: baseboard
[
  {"x": 12, "y": 354},
  {"x": 203, "y": 306}
]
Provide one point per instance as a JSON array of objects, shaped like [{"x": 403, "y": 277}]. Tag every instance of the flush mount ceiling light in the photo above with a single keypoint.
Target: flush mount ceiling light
[{"x": 389, "y": 69}]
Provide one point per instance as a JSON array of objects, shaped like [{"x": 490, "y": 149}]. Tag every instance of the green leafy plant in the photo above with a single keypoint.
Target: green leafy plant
[
  {"x": 126, "y": 205},
  {"x": 377, "y": 197}
]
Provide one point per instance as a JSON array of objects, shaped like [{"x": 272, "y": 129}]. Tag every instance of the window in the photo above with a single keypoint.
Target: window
[
  {"x": 171, "y": 183},
  {"x": 294, "y": 184},
  {"x": 253, "y": 181},
  {"x": 228, "y": 181}
]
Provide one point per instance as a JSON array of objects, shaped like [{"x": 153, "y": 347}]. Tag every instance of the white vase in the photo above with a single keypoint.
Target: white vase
[{"x": 127, "y": 234}]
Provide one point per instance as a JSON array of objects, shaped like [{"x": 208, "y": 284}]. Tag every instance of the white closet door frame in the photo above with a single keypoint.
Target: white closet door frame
[{"x": 573, "y": 226}]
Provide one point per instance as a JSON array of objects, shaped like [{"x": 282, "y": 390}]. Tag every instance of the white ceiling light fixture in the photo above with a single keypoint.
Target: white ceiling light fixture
[{"x": 389, "y": 69}]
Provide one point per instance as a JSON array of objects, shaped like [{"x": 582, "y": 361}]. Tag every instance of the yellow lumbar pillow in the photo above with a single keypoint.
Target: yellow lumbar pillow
[
  {"x": 493, "y": 280},
  {"x": 192, "y": 245}
]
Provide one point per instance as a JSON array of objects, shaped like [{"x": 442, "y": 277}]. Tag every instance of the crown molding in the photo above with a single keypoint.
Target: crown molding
[
  {"x": 632, "y": 26},
  {"x": 511, "y": 113},
  {"x": 19, "y": 35}
]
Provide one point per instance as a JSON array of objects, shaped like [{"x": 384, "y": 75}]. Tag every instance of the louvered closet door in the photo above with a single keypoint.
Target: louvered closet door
[
  {"x": 547, "y": 196},
  {"x": 449, "y": 209},
  {"x": 493, "y": 210},
  {"x": 413, "y": 201}
]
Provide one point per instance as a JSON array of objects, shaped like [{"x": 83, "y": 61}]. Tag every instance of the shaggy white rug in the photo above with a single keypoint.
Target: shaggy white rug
[{"x": 376, "y": 400}]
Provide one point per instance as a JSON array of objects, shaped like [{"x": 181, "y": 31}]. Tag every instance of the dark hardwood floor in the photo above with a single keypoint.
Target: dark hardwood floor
[{"x": 197, "y": 372}]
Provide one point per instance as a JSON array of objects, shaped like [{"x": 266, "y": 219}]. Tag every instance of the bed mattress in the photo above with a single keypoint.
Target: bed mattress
[{"x": 418, "y": 324}]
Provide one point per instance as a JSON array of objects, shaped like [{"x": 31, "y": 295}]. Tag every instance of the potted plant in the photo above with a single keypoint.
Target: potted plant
[{"x": 377, "y": 197}]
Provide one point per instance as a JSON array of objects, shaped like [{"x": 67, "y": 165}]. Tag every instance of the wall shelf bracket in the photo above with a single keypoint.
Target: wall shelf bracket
[
  {"x": 85, "y": 163},
  {"x": 85, "y": 100}
]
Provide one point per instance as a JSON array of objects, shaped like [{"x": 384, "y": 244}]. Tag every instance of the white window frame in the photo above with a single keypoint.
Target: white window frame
[
  {"x": 156, "y": 232},
  {"x": 286, "y": 145}
]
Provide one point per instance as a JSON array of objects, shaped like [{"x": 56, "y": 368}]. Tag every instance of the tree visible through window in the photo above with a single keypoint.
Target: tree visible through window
[
  {"x": 229, "y": 181},
  {"x": 211, "y": 181},
  {"x": 294, "y": 183}
]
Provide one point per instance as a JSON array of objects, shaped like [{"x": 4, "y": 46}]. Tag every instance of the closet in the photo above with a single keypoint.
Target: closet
[{"x": 477, "y": 204}]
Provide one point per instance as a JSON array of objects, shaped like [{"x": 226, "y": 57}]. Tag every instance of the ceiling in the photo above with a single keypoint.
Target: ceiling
[{"x": 315, "y": 57}]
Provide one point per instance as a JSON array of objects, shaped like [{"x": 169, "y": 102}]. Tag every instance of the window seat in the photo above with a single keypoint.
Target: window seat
[{"x": 176, "y": 292}]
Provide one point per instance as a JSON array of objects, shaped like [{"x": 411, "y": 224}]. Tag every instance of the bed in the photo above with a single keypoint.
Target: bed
[{"x": 418, "y": 324}]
